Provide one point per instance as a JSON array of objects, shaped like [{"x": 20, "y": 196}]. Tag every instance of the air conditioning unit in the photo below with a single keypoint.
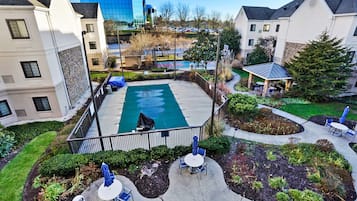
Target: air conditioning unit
[
  {"x": 21, "y": 113},
  {"x": 7, "y": 79},
  {"x": 260, "y": 31}
]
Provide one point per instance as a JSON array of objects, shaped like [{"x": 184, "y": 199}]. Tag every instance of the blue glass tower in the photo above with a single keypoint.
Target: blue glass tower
[{"x": 128, "y": 13}]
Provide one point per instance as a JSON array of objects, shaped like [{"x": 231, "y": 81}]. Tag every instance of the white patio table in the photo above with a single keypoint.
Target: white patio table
[
  {"x": 338, "y": 129},
  {"x": 110, "y": 192}
]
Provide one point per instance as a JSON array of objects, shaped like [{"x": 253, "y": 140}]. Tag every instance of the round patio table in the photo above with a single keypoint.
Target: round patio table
[
  {"x": 194, "y": 160},
  {"x": 338, "y": 129},
  {"x": 110, "y": 192}
]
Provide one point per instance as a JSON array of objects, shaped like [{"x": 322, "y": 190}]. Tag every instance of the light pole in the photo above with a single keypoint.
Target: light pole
[
  {"x": 175, "y": 56},
  {"x": 92, "y": 93},
  {"x": 120, "y": 56},
  {"x": 215, "y": 84}
]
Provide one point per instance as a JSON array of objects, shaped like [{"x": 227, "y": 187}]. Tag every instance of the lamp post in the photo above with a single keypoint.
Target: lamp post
[
  {"x": 215, "y": 84},
  {"x": 92, "y": 93},
  {"x": 120, "y": 56},
  {"x": 175, "y": 56}
]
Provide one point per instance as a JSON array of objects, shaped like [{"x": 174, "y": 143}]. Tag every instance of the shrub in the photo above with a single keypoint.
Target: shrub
[
  {"x": 62, "y": 165},
  {"x": 136, "y": 156},
  {"x": 181, "y": 150},
  {"x": 243, "y": 82},
  {"x": 240, "y": 104},
  {"x": 277, "y": 183},
  {"x": 307, "y": 195},
  {"x": 216, "y": 145},
  {"x": 281, "y": 196},
  {"x": 324, "y": 145},
  {"x": 67, "y": 129},
  {"x": 271, "y": 156},
  {"x": 257, "y": 185},
  {"x": 7, "y": 141},
  {"x": 314, "y": 177},
  {"x": 161, "y": 152},
  {"x": 237, "y": 179},
  {"x": 27, "y": 132},
  {"x": 113, "y": 158},
  {"x": 53, "y": 191}
]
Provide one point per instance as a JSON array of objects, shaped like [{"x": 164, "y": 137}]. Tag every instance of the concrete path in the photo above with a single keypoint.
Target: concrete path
[{"x": 183, "y": 186}]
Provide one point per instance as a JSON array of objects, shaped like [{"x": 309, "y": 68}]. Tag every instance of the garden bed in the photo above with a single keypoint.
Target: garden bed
[
  {"x": 265, "y": 122},
  {"x": 249, "y": 169}
]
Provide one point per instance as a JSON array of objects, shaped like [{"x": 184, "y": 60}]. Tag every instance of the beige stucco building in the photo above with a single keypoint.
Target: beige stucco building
[
  {"x": 42, "y": 67},
  {"x": 92, "y": 23}
]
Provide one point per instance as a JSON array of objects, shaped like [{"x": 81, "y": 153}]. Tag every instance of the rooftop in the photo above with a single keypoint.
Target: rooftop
[
  {"x": 268, "y": 71},
  {"x": 88, "y": 10}
]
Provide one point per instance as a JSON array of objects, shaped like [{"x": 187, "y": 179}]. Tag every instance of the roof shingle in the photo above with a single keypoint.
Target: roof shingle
[
  {"x": 88, "y": 10},
  {"x": 268, "y": 71}
]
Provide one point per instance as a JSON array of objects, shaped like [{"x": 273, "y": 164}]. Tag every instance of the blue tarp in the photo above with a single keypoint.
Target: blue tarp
[{"x": 117, "y": 81}]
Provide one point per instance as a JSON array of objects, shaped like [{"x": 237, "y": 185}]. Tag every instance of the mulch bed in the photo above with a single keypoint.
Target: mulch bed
[{"x": 253, "y": 165}]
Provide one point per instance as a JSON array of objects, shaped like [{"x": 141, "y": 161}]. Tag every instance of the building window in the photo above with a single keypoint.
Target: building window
[
  {"x": 41, "y": 103},
  {"x": 4, "y": 108},
  {"x": 92, "y": 45},
  {"x": 277, "y": 28},
  {"x": 351, "y": 55},
  {"x": 252, "y": 27},
  {"x": 30, "y": 69},
  {"x": 95, "y": 61},
  {"x": 355, "y": 33},
  {"x": 250, "y": 42},
  {"x": 18, "y": 29},
  {"x": 90, "y": 27},
  {"x": 266, "y": 27}
]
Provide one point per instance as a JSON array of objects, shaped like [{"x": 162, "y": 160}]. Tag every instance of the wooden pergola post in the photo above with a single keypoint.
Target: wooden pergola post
[
  {"x": 288, "y": 85},
  {"x": 250, "y": 78},
  {"x": 265, "y": 89}
]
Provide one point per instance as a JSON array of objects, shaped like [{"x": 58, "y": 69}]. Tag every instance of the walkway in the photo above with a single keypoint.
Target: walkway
[
  {"x": 197, "y": 187},
  {"x": 311, "y": 134}
]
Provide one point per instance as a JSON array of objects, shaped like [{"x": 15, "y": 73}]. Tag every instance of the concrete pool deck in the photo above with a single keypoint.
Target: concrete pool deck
[{"x": 194, "y": 103}]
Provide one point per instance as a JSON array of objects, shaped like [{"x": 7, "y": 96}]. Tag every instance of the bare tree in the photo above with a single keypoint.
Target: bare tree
[
  {"x": 167, "y": 10},
  {"x": 198, "y": 16},
  {"x": 182, "y": 11},
  {"x": 228, "y": 22},
  {"x": 214, "y": 20}
]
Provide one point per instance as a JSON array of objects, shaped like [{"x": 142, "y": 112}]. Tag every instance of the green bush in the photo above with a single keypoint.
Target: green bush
[
  {"x": 277, "y": 182},
  {"x": 161, "y": 152},
  {"x": 281, "y": 196},
  {"x": 271, "y": 156},
  {"x": 257, "y": 185},
  {"x": 243, "y": 105},
  {"x": 27, "y": 132},
  {"x": 136, "y": 156},
  {"x": 112, "y": 158},
  {"x": 7, "y": 141},
  {"x": 179, "y": 151},
  {"x": 216, "y": 145},
  {"x": 63, "y": 165},
  {"x": 53, "y": 191},
  {"x": 158, "y": 69},
  {"x": 306, "y": 195}
]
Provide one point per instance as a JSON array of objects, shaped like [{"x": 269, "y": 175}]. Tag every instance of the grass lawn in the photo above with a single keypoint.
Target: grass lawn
[
  {"x": 13, "y": 176},
  {"x": 329, "y": 109}
]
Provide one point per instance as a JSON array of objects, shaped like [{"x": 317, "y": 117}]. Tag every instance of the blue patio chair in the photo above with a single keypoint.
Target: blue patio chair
[
  {"x": 328, "y": 122},
  {"x": 78, "y": 198},
  {"x": 125, "y": 195},
  {"x": 201, "y": 152},
  {"x": 202, "y": 168},
  {"x": 351, "y": 134},
  {"x": 182, "y": 165}
]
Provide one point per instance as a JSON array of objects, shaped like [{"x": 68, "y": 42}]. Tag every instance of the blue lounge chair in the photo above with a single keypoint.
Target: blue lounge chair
[{"x": 125, "y": 195}]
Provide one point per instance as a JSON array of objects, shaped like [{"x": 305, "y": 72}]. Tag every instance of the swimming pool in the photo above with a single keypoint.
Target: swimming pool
[
  {"x": 156, "y": 102},
  {"x": 184, "y": 65}
]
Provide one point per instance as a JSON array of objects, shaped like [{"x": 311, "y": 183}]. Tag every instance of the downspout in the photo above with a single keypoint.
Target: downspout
[{"x": 58, "y": 60}]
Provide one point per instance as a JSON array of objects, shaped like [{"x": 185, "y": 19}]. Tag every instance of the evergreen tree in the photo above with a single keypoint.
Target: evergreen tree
[
  {"x": 321, "y": 69},
  {"x": 231, "y": 37},
  {"x": 204, "y": 49},
  {"x": 258, "y": 56}
]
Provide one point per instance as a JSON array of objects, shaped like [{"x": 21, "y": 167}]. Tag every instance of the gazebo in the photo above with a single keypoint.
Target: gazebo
[{"x": 269, "y": 72}]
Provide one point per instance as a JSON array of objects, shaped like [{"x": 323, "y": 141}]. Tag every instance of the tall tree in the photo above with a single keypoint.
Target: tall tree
[
  {"x": 228, "y": 22},
  {"x": 198, "y": 16},
  {"x": 182, "y": 11},
  {"x": 167, "y": 11},
  {"x": 231, "y": 37},
  {"x": 258, "y": 56},
  {"x": 321, "y": 69},
  {"x": 204, "y": 49}
]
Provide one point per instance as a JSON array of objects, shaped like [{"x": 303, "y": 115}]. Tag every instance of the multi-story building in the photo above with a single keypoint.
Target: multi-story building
[
  {"x": 42, "y": 67},
  {"x": 296, "y": 23},
  {"x": 94, "y": 35},
  {"x": 127, "y": 13}
]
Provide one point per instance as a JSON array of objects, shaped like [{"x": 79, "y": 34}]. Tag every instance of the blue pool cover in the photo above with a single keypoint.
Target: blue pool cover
[
  {"x": 154, "y": 101},
  {"x": 117, "y": 81}
]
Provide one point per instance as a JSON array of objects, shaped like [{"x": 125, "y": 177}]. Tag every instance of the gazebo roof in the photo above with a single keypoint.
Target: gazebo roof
[{"x": 269, "y": 71}]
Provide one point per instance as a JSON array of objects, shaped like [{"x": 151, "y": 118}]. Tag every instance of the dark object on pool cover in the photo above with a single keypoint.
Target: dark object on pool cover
[
  {"x": 144, "y": 123},
  {"x": 117, "y": 81}
]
